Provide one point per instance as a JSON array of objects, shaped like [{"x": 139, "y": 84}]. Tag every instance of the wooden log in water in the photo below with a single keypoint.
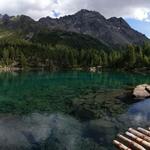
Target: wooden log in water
[
  {"x": 134, "y": 139},
  {"x": 144, "y": 131},
  {"x": 120, "y": 145},
  {"x": 139, "y": 134},
  {"x": 138, "y": 140},
  {"x": 130, "y": 143}
]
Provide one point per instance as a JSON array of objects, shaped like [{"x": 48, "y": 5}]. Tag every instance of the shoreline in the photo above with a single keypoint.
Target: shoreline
[
  {"x": 9, "y": 69},
  {"x": 143, "y": 70}
]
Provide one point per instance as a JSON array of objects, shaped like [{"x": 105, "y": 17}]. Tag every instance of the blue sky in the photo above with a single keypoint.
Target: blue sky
[{"x": 141, "y": 26}]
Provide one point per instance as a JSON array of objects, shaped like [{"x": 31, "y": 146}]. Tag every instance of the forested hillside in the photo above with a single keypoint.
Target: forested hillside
[
  {"x": 61, "y": 50},
  {"x": 85, "y": 39}
]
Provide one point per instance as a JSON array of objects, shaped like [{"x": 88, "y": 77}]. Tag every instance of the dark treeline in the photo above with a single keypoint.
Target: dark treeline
[{"x": 26, "y": 54}]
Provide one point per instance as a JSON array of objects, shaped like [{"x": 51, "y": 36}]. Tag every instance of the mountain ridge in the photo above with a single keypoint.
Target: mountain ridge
[{"x": 112, "y": 31}]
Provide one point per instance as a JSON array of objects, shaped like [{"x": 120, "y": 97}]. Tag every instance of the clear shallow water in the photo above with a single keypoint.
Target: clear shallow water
[{"x": 34, "y": 110}]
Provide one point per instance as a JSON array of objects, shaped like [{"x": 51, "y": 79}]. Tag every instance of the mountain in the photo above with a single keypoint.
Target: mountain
[
  {"x": 82, "y": 40},
  {"x": 23, "y": 27},
  {"x": 111, "y": 32},
  {"x": 71, "y": 39}
]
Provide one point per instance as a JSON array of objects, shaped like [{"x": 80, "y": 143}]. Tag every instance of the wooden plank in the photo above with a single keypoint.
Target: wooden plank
[
  {"x": 144, "y": 131},
  {"x": 138, "y": 140},
  {"x": 131, "y": 143},
  {"x": 134, "y": 139},
  {"x": 120, "y": 145},
  {"x": 139, "y": 134}
]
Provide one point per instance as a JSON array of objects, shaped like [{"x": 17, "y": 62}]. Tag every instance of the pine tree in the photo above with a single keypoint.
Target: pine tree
[
  {"x": 132, "y": 56},
  {"x": 105, "y": 59},
  {"x": 5, "y": 56},
  {"x": 23, "y": 60},
  {"x": 146, "y": 60}
]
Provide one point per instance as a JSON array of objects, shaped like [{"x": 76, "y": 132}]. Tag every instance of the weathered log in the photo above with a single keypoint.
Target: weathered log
[
  {"x": 120, "y": 145},
  {"x": 141, "y": 135},
  {"x": 144, "y": 131},
  {"x": 131, "y": 143},
  {"x": 138, "y": 140},
  {"x": 134, "y": 139}
]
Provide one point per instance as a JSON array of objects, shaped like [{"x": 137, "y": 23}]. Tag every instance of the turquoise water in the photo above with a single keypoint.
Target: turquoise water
[{"x": 43, "y": 110}]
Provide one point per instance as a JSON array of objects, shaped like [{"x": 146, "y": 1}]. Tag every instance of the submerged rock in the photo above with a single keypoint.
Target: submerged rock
[
  {"x": 141, "y": 91},
  {"x": 95, "y": 105}
]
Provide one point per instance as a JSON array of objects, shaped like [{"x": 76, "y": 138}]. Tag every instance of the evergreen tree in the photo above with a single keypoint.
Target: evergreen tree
[
  {"x": 5, "y": 56},
  {"x": 104, "y": 58},
  {"x": 23, "y": 60},
  {"x": 132, "y": 56}
]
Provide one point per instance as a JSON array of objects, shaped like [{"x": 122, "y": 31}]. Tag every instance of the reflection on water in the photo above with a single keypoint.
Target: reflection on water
[
  {"x": 32, "y": 131},
  {"x": 54, "y": 132},
  {"x": 141, "y": 112},
  {"x": 103, "y": 131},
  {"x": 44, "y": 132},
  {"x": 48, "y": 93},
  {"x": 62, "y": 132}
]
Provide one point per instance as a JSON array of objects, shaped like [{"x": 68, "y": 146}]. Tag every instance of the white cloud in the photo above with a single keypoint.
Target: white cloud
[
  {"x": 137, "y": 9},
  {"x": 33, "y": 8},
  {"x": 141, "y": 14}
]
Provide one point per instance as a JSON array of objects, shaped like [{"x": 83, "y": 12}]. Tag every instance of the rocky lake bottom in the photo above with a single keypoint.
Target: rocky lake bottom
[{"x": 71, "y": 110}]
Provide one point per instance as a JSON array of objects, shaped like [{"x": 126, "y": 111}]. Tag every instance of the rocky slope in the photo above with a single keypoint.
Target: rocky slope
[
  {"x": 109, "y": 31},
  {"x": 113, "y": 31}
]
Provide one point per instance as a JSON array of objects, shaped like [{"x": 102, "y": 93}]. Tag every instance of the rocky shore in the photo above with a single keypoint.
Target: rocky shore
[{"x": 9, "y": 69}]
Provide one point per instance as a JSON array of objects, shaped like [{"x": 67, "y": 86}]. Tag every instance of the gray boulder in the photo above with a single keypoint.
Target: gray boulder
[{"x": 141, "y": 91}]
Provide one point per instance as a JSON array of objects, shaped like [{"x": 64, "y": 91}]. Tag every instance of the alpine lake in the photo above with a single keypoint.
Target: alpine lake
[{"x": 71, "y": 110}]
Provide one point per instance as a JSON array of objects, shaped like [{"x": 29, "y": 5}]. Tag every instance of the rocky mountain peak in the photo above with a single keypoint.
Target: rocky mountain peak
[
  {"x": 88, "y": 13},
  {"x": 25, "y": 18},
  {"x": 112, "y": 31},
  {"x": 5, "y": 17},
  {"x": 85, "y": 11},
  {"x": 119, "y": 22},
  {"x": 45, "y": 18}
]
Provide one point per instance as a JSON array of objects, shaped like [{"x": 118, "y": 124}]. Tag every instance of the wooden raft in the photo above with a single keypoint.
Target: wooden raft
[{"x": 138, "y": 139}]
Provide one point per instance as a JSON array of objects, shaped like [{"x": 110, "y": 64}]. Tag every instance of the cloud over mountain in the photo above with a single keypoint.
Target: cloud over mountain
[{"x": 136, "y": 9}]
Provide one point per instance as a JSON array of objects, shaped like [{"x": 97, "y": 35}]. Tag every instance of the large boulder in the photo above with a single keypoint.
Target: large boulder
[{"x": 141, "y": 91}]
